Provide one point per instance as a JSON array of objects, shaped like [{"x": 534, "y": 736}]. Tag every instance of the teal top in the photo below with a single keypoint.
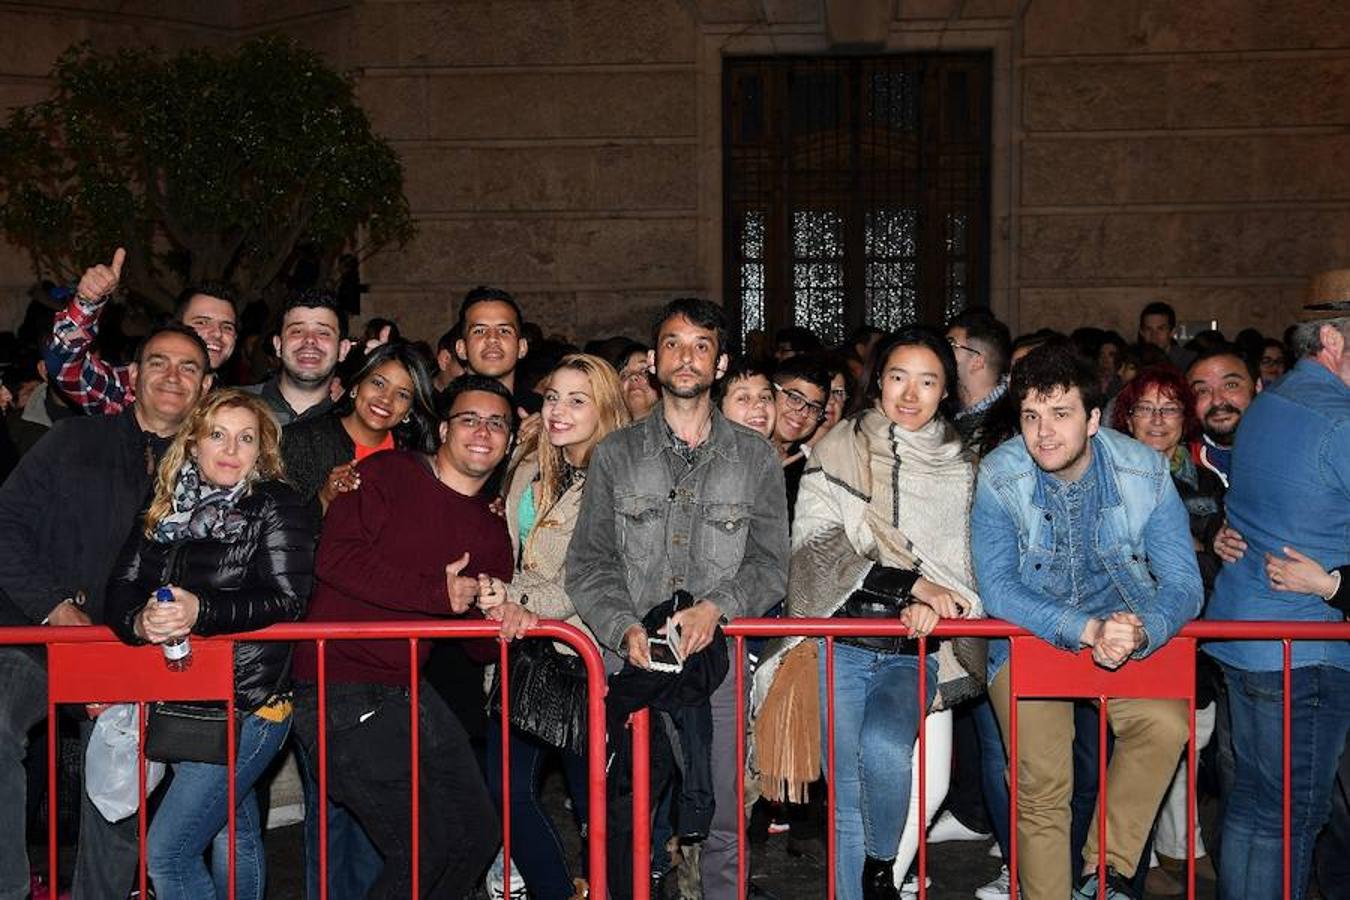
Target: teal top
[{"x": 525, "y": 517}]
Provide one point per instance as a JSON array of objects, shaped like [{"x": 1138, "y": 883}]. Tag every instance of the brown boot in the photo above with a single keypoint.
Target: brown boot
[
  {"x": 1204, "y": 868},
  {"x": 1160, "y": 883}
]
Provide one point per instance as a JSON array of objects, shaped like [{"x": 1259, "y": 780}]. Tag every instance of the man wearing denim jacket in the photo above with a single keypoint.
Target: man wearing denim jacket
[
  {"x": 1079, "y": 536},
  {"x": 1290, "y": 490},
  {"x": 686, "y": 500}
]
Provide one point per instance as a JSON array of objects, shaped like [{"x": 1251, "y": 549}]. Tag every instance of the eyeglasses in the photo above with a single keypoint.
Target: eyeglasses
[
  {"x": 796, "y": 401},
  {"x": 472, "y": 421},
  {"x": 956, "y": 346},
  {"x": 633, "y": 377},
  {"x": 1148, "y": 410}
]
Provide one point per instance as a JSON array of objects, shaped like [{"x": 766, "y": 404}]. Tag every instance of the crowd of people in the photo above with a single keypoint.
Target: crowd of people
[{"x": 1096, "y": 491}]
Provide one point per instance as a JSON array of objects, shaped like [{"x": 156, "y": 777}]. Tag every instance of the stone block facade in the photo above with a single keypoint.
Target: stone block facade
[{"x": 571, "y": 150}]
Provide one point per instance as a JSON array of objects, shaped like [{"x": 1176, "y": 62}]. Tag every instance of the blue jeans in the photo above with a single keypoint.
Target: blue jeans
[
  {"x": 876, "y": 719},
  {"x": 1251, "y": 864},
  {"x": 536, "y": 847},
  {"x": 993, "y": 771},
  {"x": 194, "y": 813}
]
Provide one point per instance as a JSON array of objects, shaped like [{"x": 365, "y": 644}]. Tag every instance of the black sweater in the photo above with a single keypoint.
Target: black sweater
[
  {"x": 259, "y": 579},
  {"x": 65, "y": 512},
  {"x": 310, "y": 448}
]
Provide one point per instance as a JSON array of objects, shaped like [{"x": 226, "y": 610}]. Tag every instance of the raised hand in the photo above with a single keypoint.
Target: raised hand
[
  {"x": 99, "y": 281},
  {"x": 462, "y": 589}
]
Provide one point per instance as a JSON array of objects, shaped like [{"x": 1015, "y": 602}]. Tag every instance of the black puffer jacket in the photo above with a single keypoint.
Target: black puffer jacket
[{"x": 262, "y": 578}]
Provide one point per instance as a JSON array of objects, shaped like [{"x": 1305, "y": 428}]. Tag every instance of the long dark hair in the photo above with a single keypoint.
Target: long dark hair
[
  {"x": 916, "y": 336},
  {"x": 420, "y": 431}
]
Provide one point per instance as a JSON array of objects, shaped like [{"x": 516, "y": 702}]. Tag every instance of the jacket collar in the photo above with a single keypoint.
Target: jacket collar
[
  {"x": 1100, "y": 469},
  {"x": 655, "y": 439}
]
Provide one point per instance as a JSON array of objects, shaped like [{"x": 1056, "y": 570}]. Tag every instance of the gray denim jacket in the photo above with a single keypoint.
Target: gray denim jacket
[{"x": 719, "y": 531}]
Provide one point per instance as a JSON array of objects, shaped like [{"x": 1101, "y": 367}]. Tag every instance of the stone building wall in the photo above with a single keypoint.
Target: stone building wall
[{"x": 570, "y": 150}]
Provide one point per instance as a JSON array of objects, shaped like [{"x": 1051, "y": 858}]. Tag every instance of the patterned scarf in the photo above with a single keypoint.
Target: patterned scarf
[{"x": 202, "y": 510}]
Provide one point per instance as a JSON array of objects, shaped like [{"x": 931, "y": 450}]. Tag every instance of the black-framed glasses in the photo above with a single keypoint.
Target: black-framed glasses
[
  {"x": 472, "y": 421},
  {"x": 797, "y": 401}
]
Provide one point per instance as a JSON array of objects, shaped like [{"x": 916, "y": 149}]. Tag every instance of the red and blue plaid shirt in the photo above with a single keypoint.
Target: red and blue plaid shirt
[{"x": 92, "y": 383}]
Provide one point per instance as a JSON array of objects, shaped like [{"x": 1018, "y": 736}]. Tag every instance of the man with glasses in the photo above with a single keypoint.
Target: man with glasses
[
  {"x": 683, "y": 500},
  {"x": 414, "y": 542},
  {"x": 982, "y": 345}
]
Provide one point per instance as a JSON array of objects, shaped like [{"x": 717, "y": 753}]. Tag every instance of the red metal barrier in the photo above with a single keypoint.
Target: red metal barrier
[
  {"x": 89, "y": 665},
  {"x": 1039, "y": 670}
]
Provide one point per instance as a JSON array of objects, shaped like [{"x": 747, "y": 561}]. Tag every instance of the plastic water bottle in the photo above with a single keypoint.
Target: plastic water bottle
[{"x": 177, "y": 652}]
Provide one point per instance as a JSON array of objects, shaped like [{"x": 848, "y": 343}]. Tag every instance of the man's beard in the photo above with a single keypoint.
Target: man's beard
[{"x": 1224, "y": 436}]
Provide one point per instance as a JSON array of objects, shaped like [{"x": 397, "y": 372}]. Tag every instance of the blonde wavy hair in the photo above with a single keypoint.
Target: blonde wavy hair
[
  {"x": 608, "y": 396},
  {"x": 197, "y": 426}
]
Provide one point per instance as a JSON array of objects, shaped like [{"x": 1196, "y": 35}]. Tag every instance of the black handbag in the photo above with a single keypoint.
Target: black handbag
[
  {"x": 189, "y": 732},
  {"x": 548, "y": 694}
]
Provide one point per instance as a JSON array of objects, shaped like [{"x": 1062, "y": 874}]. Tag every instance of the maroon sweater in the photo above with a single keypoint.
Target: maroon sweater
[{"x": 382, "y": 556}]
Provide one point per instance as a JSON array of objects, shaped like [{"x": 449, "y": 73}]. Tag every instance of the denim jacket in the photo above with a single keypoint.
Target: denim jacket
[
  {"x": 718, "y": 530},
  {"x": 1290, "y": 487},
  {"x": 1141, "y": 540}
]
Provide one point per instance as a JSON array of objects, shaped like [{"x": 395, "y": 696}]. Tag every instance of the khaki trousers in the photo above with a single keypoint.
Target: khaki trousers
[{"x": 1150, "y": 735}]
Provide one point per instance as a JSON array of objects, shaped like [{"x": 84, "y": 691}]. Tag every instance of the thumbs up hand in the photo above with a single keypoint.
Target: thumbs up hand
[{"x": 99, "y": 281}]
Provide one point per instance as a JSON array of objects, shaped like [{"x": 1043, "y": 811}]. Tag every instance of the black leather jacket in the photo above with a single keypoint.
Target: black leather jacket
[{"x": 262, "y": 578}]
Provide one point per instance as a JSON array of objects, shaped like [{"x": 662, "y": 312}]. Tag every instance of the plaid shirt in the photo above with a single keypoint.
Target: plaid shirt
[{"x": 93, "y": 384}]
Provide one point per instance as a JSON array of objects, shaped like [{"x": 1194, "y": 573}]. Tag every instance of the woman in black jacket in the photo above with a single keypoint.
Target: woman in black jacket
[
  {"x": 388, "y": 407},
  {"x": 234, "y": 545}
]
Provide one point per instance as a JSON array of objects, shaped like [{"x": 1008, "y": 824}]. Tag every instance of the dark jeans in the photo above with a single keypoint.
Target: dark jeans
[
  {"x": 369, "y": 747},
  {"x": 1333, "y": 847},
  {"x": 1252, "y": 863},
  {"x": 105, "y": 863},
  {"x": 993, "y": 771},
  {"x": 353, "y": 862},
  {"x": 536, "y": 847}
]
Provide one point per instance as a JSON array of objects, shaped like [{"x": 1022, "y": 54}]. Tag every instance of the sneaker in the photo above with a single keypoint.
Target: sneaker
[
  {"x": 1117, "y": 887},
  {"x": 996, "y": 889},
  {"x": 995, "y": 851},
  {"x": 496, "y": 881},
  {"x": 910, "y": 888},
  {"x": 949, "y": 828}
]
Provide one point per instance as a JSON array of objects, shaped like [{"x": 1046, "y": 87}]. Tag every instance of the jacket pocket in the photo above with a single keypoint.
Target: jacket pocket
[
  {"x": 722, "y": 534},
  {"x": 640, "y": 520}
]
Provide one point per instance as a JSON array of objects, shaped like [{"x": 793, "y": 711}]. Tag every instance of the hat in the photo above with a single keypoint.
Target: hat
[{"x": 1328, "y": 296}]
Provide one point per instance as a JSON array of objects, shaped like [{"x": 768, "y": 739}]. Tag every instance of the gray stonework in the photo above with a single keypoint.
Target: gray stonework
[{"x": 571, "y": 150}]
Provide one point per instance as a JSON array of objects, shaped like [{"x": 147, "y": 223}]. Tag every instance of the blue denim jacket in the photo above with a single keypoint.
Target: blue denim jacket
[
  {"x": 1290, "y": 487},
  {"x": 1141, "y": 540},
  {"x": 649, "y": 525}
]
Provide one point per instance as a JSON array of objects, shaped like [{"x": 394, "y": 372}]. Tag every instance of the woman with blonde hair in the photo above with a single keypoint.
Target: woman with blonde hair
[
  {"x": 582, "y": 403},
  {"x": 234, "y": 546}
]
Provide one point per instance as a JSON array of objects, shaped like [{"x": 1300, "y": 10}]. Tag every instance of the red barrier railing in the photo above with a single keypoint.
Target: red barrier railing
[
  {"x": 89, "y": 665},
  {"x": 1039, "y": 670}
]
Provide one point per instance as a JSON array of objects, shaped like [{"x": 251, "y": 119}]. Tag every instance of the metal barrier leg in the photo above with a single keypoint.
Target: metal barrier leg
[
  {"x": 742, "y": 851},
  {"x": 640, "y": 723},
  {"x": 831, "y": 844},
  {"x": 1288, "y": 767},
  {"x": 53, "y": 876},
  {"x": 414, "y": 707},
  {"x": 923, "y": 770},
  {"x": 323, "y": 770},
  {"x": 1102, "y": 763},
  {"x": 505, "y": 723}
]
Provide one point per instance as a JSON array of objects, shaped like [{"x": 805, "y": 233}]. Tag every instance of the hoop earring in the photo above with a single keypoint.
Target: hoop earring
[
  {"x": 407, "y": 419},
  {"x": 352, "y": 393}
]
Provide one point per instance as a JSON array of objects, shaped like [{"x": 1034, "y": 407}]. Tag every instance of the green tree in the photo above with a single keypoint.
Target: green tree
[{"x": 204, "y": 165}]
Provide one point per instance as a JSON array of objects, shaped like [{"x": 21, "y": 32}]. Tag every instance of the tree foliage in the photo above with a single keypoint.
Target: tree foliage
[{"x": 205, "y": 165}]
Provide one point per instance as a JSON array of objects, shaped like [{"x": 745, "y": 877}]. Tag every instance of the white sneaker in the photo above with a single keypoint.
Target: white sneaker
[
  {"x": 996, "y": 889},
  {"x": 496, "y": 878},
  {"x": 910, "y": 887},
  {"x": 949, "y": 828},
  {"x": 995, "y": 851}
]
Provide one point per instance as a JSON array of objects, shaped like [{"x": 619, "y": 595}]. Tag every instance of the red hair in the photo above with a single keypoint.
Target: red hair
[{"x": 1170, "y": 384}]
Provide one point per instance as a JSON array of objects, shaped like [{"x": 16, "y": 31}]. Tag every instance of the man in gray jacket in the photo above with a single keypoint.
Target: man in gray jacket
[{"x": 684, "y": 500}]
